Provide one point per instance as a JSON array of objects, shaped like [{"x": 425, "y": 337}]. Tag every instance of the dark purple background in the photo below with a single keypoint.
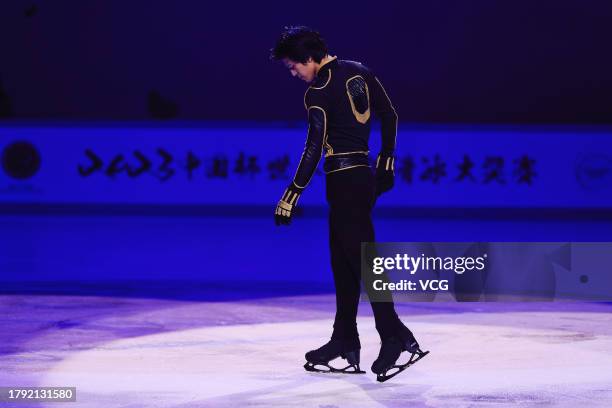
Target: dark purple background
[{"x": 441, "y": 60}]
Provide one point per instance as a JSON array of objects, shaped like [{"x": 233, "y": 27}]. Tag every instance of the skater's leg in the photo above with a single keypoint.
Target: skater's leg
[
  {"x": 386, "y": 319},
  {"x": 345, "y": 339},
  {"x": 347, "y": 286},
  {"x": 355, "y": 227}
]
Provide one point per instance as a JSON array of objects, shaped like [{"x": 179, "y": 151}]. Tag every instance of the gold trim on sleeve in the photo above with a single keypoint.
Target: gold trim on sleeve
[
  {"x": 394, "y": 111},
  {"x": 306, "y": 93},
  {"x": 320, "y": 154},
  {"x": 312, "y": 87}
]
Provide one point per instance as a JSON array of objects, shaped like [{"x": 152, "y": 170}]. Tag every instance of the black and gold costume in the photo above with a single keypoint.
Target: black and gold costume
[{"x": 340, "y": 104}]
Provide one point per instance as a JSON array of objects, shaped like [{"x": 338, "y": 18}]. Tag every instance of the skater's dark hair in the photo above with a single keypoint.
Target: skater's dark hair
[{"x": 299, "y": 43}]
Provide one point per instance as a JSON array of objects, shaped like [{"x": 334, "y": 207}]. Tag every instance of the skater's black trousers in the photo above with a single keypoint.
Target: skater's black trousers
[{"x": 351, "y": 196}]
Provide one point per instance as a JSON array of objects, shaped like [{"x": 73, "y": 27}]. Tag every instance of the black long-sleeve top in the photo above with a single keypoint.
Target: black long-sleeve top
[{"x": 339, "y": 103}]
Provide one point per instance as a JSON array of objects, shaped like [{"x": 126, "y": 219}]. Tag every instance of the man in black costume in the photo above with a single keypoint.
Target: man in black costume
[{"x": 340, "y": 100}]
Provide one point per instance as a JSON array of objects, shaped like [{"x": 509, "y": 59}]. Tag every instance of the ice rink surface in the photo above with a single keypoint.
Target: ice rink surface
[{"x": 143, "y": 352}]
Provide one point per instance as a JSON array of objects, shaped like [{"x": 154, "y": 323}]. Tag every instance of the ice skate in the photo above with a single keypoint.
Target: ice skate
[
  {"x": 318, "y": 360},
  {"x": 385, "y": 366}
]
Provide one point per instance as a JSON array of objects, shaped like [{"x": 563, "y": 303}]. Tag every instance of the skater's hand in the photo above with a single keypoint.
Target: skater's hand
[
  {"x": 385, "y": 174},
  {"x": 286, "y": 206}
]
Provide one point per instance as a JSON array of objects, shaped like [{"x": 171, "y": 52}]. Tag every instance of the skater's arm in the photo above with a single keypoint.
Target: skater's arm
[
  {"x": 385, "y": 162},
  {"x": 317, "y": 107},
  {"x": 385, "y": 111}
]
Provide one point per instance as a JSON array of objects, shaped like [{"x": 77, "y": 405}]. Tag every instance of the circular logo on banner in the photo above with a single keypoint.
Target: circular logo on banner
[
  {"x": 20, "y": 160},
  {"x": 594, "y": 171}
]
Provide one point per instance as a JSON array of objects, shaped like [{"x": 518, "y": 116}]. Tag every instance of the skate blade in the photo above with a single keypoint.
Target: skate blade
[
  {"x": 312, "y": 367},
  {"x": 350, "y": 369},
  {"x": 384, "y": 377}
]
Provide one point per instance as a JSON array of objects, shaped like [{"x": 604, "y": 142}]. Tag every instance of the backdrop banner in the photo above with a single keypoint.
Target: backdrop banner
[{"x": 468, "y": 166}]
